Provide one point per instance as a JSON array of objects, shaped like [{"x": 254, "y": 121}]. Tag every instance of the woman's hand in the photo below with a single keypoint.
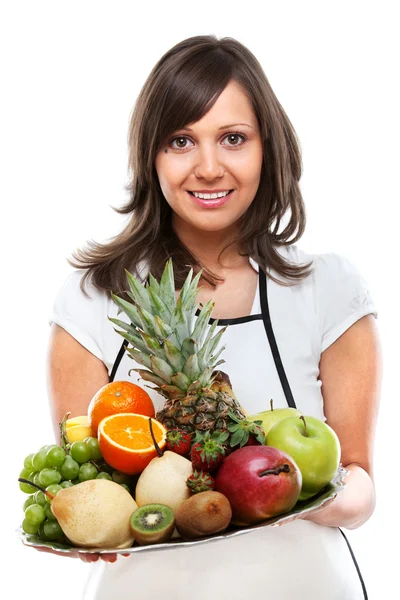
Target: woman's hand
[{"x": 352, "y": 506}]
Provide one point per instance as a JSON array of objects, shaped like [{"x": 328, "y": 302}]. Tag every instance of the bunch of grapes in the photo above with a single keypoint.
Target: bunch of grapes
[{"x": 53, "y": 468}]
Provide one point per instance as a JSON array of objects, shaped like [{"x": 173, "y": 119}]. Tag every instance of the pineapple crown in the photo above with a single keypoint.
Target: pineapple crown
[{"x": 179, "y": 354}]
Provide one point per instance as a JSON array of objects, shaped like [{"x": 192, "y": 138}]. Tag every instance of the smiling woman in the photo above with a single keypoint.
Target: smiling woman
[{"x": 215, "y": 169}]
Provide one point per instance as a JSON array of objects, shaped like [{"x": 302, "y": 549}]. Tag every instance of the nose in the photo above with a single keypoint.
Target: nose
[{"x": 208, "y": 165}]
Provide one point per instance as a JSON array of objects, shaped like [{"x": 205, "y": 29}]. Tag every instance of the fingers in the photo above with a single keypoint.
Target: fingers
[
  {"x": 109, "y": 557},
  {"x": 88, "y": 557}
]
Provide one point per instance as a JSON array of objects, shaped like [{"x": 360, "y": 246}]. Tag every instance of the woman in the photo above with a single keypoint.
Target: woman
[{"x": 302, "y": 327}]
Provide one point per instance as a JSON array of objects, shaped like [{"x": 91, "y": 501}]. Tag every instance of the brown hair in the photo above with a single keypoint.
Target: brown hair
[{"x": 181, "y": 89}]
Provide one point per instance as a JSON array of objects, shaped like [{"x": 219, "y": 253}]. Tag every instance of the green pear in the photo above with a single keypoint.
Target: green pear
[
  {"x": 163, "y": 481},
  {"x": 95, "y": 514},
  {"x": 270, "y": 417}
]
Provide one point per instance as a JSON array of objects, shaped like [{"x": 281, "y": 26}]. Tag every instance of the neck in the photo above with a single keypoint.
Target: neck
[{"x": 206, "y": 246}]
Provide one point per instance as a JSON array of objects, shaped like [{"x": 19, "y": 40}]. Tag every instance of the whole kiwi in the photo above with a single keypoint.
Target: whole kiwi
[{"x": 203, "y": 514}]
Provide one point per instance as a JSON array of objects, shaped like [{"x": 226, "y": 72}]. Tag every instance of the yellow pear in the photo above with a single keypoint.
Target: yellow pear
[{"x": 95, "y": 514}]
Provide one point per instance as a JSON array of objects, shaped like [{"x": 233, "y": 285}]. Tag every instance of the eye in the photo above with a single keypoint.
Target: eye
[{"x": 181, "y": 139}]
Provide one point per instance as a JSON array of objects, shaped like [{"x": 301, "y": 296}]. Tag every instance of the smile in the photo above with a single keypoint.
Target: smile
[{"x": 211, "y": 200}]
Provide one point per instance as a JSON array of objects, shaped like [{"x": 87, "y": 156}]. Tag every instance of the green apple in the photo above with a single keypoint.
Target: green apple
[
  {"x": 313, "y": 445},
  {"x": 270, "y": 417}
]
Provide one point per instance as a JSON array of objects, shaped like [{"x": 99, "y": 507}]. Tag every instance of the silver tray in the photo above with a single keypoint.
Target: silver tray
[{"x": 324, "y": 497}]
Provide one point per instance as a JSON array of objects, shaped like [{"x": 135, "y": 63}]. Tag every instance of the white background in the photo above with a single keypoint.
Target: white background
[{"x": 70, "y": 74}]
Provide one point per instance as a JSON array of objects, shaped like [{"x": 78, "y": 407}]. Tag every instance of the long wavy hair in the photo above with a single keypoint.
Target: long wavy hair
[{"x": 181, "y": 89}]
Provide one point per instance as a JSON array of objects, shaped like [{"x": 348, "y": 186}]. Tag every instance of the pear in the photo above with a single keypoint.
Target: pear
[
  {"x": 163, "y": 481},
  {"x": 95, "y": 514}
]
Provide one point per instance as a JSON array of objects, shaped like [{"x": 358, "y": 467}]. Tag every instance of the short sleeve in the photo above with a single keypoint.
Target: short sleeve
[
  {"x": 342, "y": 296},
  {"x": 81, "y": 316}
]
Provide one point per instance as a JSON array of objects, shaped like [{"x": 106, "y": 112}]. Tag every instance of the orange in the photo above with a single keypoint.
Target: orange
[
  {"x": 119, "y": 397},
  {"x": 125, "y": 441}
]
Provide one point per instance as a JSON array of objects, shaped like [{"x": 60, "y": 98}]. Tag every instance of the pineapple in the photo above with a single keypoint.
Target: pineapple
[{"x": 178, "y": 353}]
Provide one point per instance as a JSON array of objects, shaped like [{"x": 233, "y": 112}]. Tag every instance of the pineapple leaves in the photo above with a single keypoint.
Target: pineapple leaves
[
  {"x": 186, "y": 287},
  {"x": 154, "y": 286},
  {"x": 191, "y": 368},
  {"x": 138, "y": 291},
  {"x": 140, "y": 357},
  {"x": 202, "y": 322},
  {"x": 181, "y": 381},
  {"x": 129, "y": 309},
  {"x": 161, "y": 368},
  {"x": 152, "y": 345},
  {"x": 189, "y": 347},
  {"x": 148, "y": 376},
  {"x": 173, "y": 356},
  {"x": 180, "y": 322},
  {"x": 134, "y": 340},
  {"x": 162, "y": 329},
  {"x": 159, "y": 307},
  {"x": 167, "y": 287}
]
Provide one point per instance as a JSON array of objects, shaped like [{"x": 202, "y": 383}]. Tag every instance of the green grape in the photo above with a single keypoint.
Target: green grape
[
  {"x": 34, "y": 514},
  {"x": 52, "y": 530},
  {"x": 55, "y": 457},
  {"x": 39, "y": 460},
  {"x": 69, "y": 469},
  {"x": 119, "y": 477},
  {"x": 66, "y": 484},
  {"x": 25, "y": 487},
  {"x": 93, "y": 444},
  {"x": 28, "y": 528},
  {"x": 125, "y": 486},
  {"x": 40, "y": 498},
  {"x": 50, "y": 446},
  {"x": 87, "y": 471},
  {"x": 30, "y": 500},
  {"x": 28, "y": 463},
  {"x": 41, "y": 533},
  {"x": 49, "y": 476},
  {"x": 104, "y": 475},
  {"x": 36, "y": 476},
  {"x": 80, "y": 452},
  {"x": 48, "y": 513},
  {"x": 53, "y": 489}
]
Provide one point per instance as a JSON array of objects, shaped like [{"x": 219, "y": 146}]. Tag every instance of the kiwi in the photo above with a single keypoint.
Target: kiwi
[
  {"x": 152, "y": 524},
  {"x": 203, "y": 514}
]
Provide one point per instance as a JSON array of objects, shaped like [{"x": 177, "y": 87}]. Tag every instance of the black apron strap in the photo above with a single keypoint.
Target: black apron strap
[
  {"x": 118, "y": 360},
  {"x": 271, "y": 338}
]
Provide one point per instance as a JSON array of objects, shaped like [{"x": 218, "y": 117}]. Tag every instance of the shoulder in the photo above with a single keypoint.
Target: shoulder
[
  {"x": 338, "y": 292},
  {"x": 82, "y": 310}
]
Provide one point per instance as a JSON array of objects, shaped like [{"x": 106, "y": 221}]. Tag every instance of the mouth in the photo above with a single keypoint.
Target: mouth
[{"x": 211, "y": 202}]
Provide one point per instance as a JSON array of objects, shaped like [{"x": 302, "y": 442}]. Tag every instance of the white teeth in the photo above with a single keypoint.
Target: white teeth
[{"x": 211, "y": 196}]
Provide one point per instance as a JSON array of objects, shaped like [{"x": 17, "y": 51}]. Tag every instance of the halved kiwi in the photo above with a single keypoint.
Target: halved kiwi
[{"x": 152, "y": 524}]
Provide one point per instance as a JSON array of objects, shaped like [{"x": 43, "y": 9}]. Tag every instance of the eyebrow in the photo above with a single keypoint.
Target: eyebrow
[{"x": 223, "y": 127}]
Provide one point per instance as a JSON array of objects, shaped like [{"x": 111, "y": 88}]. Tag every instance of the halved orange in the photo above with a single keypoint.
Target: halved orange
[{"x": 125, "y": 441}]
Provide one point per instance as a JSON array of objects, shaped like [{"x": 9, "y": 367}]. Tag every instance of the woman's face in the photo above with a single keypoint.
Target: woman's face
[{"x": 222, "y": 151}]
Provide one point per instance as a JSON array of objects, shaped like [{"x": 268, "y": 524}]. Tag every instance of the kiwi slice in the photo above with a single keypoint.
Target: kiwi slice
[{"x": 152, "y": 524}]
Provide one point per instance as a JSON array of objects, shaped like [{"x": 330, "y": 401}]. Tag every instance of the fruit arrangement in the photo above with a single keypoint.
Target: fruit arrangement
[{"x": 126, "y": 475}]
